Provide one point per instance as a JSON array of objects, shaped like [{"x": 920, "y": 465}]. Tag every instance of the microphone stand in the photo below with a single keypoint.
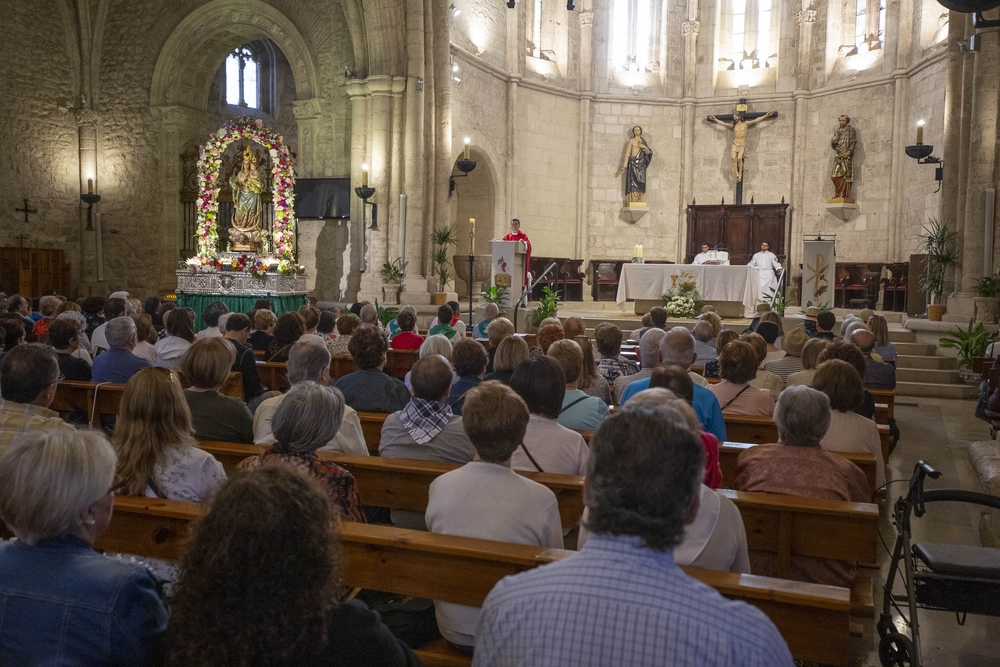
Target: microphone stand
[{"x": 528, "y": 291}]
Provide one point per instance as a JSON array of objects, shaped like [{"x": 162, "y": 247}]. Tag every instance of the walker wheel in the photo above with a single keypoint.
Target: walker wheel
[{"x": 895, "y": 650}]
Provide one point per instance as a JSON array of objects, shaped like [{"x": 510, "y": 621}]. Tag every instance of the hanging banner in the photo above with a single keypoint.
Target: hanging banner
[{"x": 819, "y": 271}]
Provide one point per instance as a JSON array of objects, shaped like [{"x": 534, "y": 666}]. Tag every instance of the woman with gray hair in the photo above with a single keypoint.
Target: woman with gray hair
[
  {"x": 307, "y": 418},
  {"x": 798, "y": 466},
  {"x": 64, "y": 602}
]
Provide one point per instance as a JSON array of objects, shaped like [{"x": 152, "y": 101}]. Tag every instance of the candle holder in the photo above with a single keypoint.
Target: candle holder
[
  {"x": 366, "y": 192},
  {"x": 638, "y": 260},
  {"x": 90, "y": 199},
  {"x": 923, "y": 154},
  {"x": 465, "y": 166}
]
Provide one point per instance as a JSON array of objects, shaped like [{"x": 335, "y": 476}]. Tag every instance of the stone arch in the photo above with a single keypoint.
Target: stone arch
[
  {"x": 196, "y": 48},
  {"x": 477, "y": 196}
]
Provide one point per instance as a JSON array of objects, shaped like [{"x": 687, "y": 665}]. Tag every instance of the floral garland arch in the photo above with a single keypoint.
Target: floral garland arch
[{"x": 282, "y": 187}]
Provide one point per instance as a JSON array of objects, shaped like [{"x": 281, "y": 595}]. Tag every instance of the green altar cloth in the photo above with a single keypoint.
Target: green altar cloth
[{"x": 237, "y": 303}]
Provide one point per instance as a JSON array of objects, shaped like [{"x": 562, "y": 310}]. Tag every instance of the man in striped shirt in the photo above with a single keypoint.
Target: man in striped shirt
[{"x": 622, "y": 600}]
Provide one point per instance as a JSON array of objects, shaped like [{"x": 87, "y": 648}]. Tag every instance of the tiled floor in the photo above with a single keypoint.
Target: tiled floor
[{"x": 938, "y": 431}]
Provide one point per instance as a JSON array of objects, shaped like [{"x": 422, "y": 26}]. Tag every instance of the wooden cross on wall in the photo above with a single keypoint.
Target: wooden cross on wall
[
  {"x": 26, "y": 211},
  {"x": 738, "y": 122}
]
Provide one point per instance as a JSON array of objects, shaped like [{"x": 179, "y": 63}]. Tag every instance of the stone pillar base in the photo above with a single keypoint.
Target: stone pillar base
[{"x": 960, "y": 307}]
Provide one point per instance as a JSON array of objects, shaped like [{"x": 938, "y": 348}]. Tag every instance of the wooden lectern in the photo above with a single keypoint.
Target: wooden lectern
[{"x": 508, "y": 269}]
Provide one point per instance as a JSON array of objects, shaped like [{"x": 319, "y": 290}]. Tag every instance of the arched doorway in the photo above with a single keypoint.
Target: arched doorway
[{"x": 473, "y": 196}]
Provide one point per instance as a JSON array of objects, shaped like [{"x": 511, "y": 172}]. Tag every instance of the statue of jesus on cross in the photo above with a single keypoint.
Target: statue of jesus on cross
[{"x": 738, "y": 122}]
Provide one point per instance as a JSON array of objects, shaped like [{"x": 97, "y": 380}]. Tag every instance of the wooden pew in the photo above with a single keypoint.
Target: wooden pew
[
  {"x": 371, "y": 427},
  {"x": 788, "y": 526},
  {"x": 730, "y": 451},
  {"x": 813, "y": 619},
  {"x": 888, "y": 397},
  {"x": 399, "y": 362},
  {"x": 94, "y": 399},
  {"x": 762, "y": 431},
  {"x": 341, "y": 365},
  {"x": 529, "y": 338},
  {"x": 273, "y": 375}
]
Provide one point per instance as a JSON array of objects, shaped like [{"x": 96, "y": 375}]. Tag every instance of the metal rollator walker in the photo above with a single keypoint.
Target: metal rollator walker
[{"x": 945, "y": 577}]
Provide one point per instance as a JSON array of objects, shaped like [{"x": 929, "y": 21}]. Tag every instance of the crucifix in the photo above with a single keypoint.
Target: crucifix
[
  {"x": 738, "y": 122},
  {"x": 26, "y": 211}
]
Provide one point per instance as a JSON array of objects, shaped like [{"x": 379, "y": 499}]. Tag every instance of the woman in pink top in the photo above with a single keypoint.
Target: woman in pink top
[{"x": 737, "y": 367}]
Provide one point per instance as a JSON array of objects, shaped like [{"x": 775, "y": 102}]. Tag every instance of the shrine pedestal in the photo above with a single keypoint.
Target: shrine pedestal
[
  {"x": 632, "y": 213},
  {"x": 239, "y": 291},
  {"x": 842, "y": 209}
]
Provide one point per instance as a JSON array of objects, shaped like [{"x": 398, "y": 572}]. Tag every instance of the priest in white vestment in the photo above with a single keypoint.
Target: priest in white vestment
[
  {"x": 702, "y": 256},
  {"x": 770, "y": 268}
]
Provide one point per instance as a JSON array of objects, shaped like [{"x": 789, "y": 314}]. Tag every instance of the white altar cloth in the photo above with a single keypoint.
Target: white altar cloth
[{"x": 715, "y": 283}]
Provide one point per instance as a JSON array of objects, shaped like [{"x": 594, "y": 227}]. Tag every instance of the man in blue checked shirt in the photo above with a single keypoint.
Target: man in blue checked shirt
[{"x": 622, "y": 600}]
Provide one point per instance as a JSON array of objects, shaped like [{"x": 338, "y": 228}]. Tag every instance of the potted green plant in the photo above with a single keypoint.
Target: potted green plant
[
  {"x": 971, "y": 343},
  {"x": 940, "y": 243},
  {"x": 385, "y": 315},
  {"x": 496, "y": 295},
  {"x": 777, "y": 301},
  {"x": 987, "y": 289},
  {"x": 441, "y": 239},
  {"x": 392, "y": 276},
  {"x": 548, "y": 305}
]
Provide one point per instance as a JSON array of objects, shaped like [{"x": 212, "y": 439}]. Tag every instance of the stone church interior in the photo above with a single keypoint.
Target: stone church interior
[{"x": 500, "y": 332}]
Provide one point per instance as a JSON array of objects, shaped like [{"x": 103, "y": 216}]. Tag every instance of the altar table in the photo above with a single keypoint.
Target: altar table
[{"x": 715, "y": 283}]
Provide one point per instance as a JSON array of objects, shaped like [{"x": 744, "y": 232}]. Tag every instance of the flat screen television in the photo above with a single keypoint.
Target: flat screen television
[{"x": 321, "y": 198}]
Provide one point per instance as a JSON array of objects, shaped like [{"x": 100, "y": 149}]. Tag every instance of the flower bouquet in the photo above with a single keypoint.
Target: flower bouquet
[{"x": 683, "y": 301}]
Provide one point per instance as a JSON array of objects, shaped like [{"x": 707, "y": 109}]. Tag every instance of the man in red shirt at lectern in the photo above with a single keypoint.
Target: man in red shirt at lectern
[{"x": 516, "y": 234}]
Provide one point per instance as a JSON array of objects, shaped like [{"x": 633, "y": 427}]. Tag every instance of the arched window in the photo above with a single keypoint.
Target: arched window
[
  {"x": 753, "y": 23},
  {"x": 869, "y": 25},
  {"x": 243, "y": 78},
  {"x": 632, "y": 26}
]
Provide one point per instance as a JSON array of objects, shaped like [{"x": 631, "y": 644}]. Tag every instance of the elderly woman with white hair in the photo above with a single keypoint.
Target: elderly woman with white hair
[
  {"x": 798, "y": 466},
  {"x": 716, "y": 538},
  {"x": 63, "y": 602},
  {"x": 437, "y": 344},
  {"x": 307, "y": 418}
]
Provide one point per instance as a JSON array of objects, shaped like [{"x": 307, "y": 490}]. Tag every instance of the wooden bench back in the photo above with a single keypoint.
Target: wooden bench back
[
  {"x": 371, "y": 426},
  {"x": 813, "y": 619},
  {"x": 730, "y": 451},
  {"x": 341, "y": 365},
  {"x": 888, "y": 397},
  {"x": 95, "y": 400},
  {"x": 762, "y": 431},
  {"x": 273, "y": 375}
]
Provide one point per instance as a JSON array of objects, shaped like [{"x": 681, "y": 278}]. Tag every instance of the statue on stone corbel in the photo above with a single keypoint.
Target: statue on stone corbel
[
  {"x": 844, "y": 141},
  {"x": 636, "y": 159}
]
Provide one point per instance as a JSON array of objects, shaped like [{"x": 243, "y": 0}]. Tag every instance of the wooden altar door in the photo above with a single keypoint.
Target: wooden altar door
[
  {"x": 739, "y": 228},
  {"x": 31, "y": 271}
]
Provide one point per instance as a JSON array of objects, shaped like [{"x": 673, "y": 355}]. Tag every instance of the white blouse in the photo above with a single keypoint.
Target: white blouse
[
  {"x": 188, "y": 473},
  {"x": 850, "y": 432},
  {"x": 556, "y": 449}
]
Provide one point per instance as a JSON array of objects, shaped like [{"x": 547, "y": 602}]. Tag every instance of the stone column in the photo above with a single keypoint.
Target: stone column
[
  {"x": 86, "y": 121},
  {"x": 804, "y": 19},
  {"x": 443, "y": 156},
  {"x": 982, "y": 154},
  {"x": 359, "y": 135},
  {"x": 379, "y": 87},
  {"x": 583, "y": 164},
  {"x": 414, "y": 283},
  {"x": 899, "y": 131},
  {"x": 396, "y": 179},
  {"x": 690, "y": 30}
]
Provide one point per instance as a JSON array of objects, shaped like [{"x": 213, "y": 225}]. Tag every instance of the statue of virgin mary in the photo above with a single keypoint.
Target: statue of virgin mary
[{"x": 247, "y": 187}]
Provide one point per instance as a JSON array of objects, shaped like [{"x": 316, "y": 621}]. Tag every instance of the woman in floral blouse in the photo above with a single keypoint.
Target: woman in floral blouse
[{"x": 308, "y": 417}]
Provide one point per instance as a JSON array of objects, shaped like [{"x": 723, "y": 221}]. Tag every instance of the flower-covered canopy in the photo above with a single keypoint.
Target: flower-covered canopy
[{"x": 283, "y": 182}]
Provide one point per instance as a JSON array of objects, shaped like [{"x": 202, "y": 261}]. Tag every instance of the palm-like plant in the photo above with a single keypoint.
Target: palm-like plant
[
  {"x": 441, "y": 239},
  {"x": 940, "y": 243},
  {"x": 970, "y": 342}
]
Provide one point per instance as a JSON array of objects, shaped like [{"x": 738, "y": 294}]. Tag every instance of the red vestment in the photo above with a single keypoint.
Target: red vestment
[{"x": 521, "y": 236}]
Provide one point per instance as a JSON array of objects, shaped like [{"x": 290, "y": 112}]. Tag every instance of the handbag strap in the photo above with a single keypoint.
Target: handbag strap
[
  {"x": 735, "y": 397},
  {"x": 582, "y": 398},
  {"x": 531, "y": 458}
]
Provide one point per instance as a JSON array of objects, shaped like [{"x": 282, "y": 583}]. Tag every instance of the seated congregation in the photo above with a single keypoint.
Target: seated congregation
[{"x": 282, "y": 459}]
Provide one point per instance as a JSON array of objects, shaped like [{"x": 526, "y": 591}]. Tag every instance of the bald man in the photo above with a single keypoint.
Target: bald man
[{"x": 880, "y": 375}]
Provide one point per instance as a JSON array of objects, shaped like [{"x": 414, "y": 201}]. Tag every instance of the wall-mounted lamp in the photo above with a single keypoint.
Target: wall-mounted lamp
[
  {"x": 454, "y": 72},
  {"x": 923, "y": 154},
  {"x": 466, "y": 164},
  {"x": 365, "y": 192},
  {"x": 510, "y": 4},
  {"x": 455, "y": 11},
  {"x": 89, "y": 199}
]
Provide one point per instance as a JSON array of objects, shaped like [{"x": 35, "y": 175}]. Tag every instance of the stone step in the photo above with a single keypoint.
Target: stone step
[
  {"x": 965, "y": 391},
  {"x": 904, "y": 361},
  {"x": 927, "y": 376},
  {"x": 897, "y": 336},
  {"x": 916, "y": 349}
]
